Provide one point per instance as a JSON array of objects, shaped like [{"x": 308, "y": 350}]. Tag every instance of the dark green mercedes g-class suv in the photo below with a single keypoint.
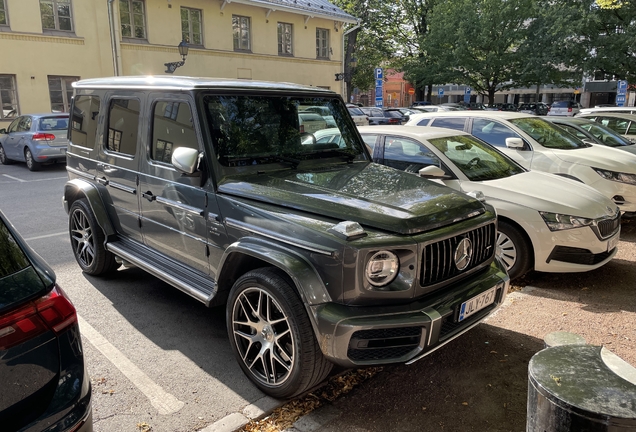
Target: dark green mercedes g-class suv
[{"x": 219, "y": 188}]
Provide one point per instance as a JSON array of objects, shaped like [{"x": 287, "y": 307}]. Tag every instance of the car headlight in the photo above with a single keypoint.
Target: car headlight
[
  {"x": 558, "y": 222},
  {"x": 382, "y": 268},
  {"x": 616, "y": 176}
]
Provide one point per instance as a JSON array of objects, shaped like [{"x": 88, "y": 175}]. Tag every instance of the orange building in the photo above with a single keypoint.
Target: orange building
[{"x": 395, "y": 92}]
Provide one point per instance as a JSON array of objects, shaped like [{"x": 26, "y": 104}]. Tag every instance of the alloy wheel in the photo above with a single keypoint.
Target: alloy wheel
[
  {"x": 82, "y": 238},
  {"x": 3, "y": 155},
  {"x": 506, "y": 250},
  {"x": 263, "y": 336},
  {"x": 29, "y": 158}
]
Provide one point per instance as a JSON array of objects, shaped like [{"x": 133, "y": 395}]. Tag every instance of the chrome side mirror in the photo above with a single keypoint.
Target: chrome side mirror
[{"x": 185, "y": 159}]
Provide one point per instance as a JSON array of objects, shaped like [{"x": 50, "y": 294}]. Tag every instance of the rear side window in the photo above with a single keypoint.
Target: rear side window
[
  {"x": 53, "y": 123},
  {"x": 84, "y": 121},
  {"x": 356, "y": 111},
  {"x": 25, "y": 124},
  {"x": 18, "y": 280},
  {"x": 172, "y": 127},
  {"x": 123, "y": 126},
  {"x": 494, "y": 133},
  {"x": 424, "y": 122},
  {"x": 450, "y": 123}
]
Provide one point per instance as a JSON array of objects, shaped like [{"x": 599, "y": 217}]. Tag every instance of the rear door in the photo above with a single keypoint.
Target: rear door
[
  {"x": 19, "y": 138},
  {"x": 118, "y": 160},
  {"x": 174, "y": 206}
]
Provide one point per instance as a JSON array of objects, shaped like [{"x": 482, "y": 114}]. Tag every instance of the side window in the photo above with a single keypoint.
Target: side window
[
  {"x": 617, "y": 124},
  {"x": 450, "y": 123},
  {"x": 370, "y": 141},
  {"x": 25, "y": 124},
  {"x": 14, "y": 125},
  {"x": 494, "y": 133},
  {"x": 172, "y": 127},
  {"x": 632, "y": 129},
  {"x": 84, "y": 121},
  {"x": 123, "y": 126},
  {"x": 377, "y": 113},
  {"x": 408, "y": 155},
  {"x": 424, "y": 122},
  {"x": 574, "y": 131}
]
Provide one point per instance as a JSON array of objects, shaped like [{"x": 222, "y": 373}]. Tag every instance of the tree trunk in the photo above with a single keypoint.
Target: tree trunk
[
  {"x": 491, "y": 95},
  {"x": 347, "y": 69},
  {"x": 538, "y": 94},
  {"x": 429, "y": 92}
]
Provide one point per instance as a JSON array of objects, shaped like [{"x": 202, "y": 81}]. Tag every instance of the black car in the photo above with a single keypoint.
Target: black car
[
  {"x": 43, "y": 378},
  {"x": 378, "y": 116}
]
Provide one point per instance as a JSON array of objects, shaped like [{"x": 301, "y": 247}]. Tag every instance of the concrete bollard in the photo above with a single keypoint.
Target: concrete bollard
[{"x": 580, "y": 388}]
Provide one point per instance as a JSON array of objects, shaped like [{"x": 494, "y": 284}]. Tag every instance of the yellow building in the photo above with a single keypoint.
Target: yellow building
[{"x": 45, "y": 45}]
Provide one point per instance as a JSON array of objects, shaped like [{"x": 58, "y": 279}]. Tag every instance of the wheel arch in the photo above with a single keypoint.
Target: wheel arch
[
  {"x": 77, "y": 189},
  {"x": 523, "y": 232},
  {"x": 252, "y": 253}
]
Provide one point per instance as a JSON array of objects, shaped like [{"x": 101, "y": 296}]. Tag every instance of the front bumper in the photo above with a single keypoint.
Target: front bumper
[
  {"x": 623, "y": 194},
  {"x": 362, "y": 336}
]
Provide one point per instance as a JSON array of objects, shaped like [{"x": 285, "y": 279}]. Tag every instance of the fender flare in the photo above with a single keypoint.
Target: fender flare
[
  {"x": 74, "y": 189},
  {"x": 310, "y": 286}
]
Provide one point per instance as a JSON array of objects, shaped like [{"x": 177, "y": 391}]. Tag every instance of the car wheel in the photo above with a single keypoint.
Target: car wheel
[
  {"x": 3, "y": 157},
  {"x": 87, "y": 240},
  {"x": 31, "y": 164},
  {"x": 513, "y": 250},
  {"x": 271, "y": 335}
]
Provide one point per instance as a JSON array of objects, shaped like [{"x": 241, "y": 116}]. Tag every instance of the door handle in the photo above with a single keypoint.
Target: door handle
[
  {"x": 149, "y": 196},
  {"x": 103, "y": 180}
]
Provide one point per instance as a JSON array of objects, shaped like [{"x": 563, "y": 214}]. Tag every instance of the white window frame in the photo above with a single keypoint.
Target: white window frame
[
  {"x": 244, "y": 24},
  {"x": 189, "y": 37},
  {"x": 56, "y": 17},
  {"x": 285, "y": 36},
  {"x": 322, "y": 35},
  {"x": 131, "y": 22}
]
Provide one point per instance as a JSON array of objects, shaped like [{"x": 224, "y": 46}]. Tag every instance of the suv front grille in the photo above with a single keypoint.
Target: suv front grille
[
  {"x": 383, "y": 344},
  {"x": 438, "y": 259},
  {"x": 609, "y": 226}
]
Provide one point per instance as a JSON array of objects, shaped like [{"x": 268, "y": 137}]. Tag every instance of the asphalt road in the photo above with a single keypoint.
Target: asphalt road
[{"x": 157, "y": 358}]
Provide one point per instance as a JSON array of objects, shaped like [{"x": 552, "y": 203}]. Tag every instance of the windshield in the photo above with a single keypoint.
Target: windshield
[
  {"x": 606, "y": 135},
  {"x": 476, "y": 159},
  {"x": 251, "y": 132},
  {"x": 548, "y": 134},
  {"x": 53, "y": 123}
]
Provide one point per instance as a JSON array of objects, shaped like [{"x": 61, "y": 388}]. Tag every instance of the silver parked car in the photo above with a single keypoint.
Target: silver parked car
[{"x": 35, "y": 139}]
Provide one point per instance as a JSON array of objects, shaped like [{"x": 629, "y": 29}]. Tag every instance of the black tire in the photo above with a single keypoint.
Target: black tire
[
  {"x": 514, "y": 250},
  {"x": 87, "y": 241},
  {"x": 3, "y": 157},
  {"x": 261, "y": 306},
  {"x": 31, "y": 164}
]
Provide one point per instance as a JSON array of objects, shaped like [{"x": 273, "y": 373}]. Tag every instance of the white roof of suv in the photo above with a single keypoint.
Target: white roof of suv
[
  {"x": 626, "y": 110},
  {"x": 416, "y": 118}
]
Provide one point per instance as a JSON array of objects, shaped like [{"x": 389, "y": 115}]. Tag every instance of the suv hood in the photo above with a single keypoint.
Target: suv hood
[
  {"x": 368, "y": 193},
  {"x": 547, "y": 192},
  {"x": 598, "y": 156}
]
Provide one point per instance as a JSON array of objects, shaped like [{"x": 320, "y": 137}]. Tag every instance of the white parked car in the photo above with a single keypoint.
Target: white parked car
[
  {"x": 539, "y": 145},
  {"x": 564, "y": 108},
  {"x": 358, "y": 116},
  {"x": 614, "y": 110},
  {"x": 546, "y": 222},
  {"x": 622, "y": 123}
]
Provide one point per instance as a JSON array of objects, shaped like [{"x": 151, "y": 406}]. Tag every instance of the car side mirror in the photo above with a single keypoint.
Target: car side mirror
[
  {"x": 515, "y": 143},
  {"x": 3, "y": 131},
  {"x": 432, "y": 171},
  {"x": 185, "y": 159}
]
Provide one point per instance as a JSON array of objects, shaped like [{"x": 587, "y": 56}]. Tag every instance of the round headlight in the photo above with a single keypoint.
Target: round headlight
[{"x": 382, "y": 268}]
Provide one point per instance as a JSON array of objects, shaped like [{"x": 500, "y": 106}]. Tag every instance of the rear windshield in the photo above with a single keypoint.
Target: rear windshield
[
  {"x": 395, "y": 114},
  {"x": 53, "y": 123},
  {"x": 561, "y": 104},
  {"x": 356, "y": 111},
  {"x": 18, "y": 281}
]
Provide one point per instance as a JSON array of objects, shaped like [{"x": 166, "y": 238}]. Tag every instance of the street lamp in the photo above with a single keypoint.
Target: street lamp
[
  {"x": 183, "y": 51},
  {"x": 346, "y": 76}
]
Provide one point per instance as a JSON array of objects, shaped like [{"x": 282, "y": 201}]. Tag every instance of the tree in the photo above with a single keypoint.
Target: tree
[{"x": 477, "y": 41}]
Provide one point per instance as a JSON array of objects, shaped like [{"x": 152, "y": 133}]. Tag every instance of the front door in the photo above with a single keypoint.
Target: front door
[
  {"x": 495, "y": 134},
  {"x": 118, "y": 162},
  {"x": 174, "y": 206},
  {"x": 10, "y": 143}
]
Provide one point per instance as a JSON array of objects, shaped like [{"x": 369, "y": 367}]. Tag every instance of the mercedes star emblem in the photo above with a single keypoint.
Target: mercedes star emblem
[{"x": 463, "y": 254}]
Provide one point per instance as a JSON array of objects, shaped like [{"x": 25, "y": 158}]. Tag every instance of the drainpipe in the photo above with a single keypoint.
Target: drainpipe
[
  {"x": 114, "y": 43},
  {"x": 344, "y": 54}
]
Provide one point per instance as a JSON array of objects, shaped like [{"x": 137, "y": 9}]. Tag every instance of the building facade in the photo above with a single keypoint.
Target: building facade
[{"x": 48, "y": 44}]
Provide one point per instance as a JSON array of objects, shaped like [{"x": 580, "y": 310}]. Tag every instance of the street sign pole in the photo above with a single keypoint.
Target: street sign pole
[
  {"x": 379, "y": 86},
  {"x": 621, "y": 93}
]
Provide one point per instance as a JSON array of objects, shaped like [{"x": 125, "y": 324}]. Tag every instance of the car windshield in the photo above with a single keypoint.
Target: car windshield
[
  {"x": 606, "y": 135},
  {"x": 561, "y": 104},
  {"x": 250, "y": 132},
  {"x": 394, "y": 114},
  {"x": 548, "y": 134},
  {"x": 476, "y": 159},
  {"x": 53, "y": 123}
]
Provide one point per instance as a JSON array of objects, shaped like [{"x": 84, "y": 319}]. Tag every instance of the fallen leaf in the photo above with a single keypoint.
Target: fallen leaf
[
  {"x": 465, "y": 403},
  {"x": 493, "y": 352}
]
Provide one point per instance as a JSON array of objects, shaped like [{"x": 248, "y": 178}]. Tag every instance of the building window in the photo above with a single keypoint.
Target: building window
[
  {"x": 61, "y": 92},
  {"x": 8, "y": 97},
  {"x": 3, "y": 13},
  {"x": 242, "y": 29},
  {"x": 191, "y": 26},
  {"x": 56, "y": 15},
  {"x": 322, "y": 43},
  {"x": 285, "y": 39},
  {"x": 133, "y": 21}
]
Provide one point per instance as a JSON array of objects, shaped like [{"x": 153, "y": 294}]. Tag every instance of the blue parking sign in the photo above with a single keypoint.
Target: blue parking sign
[
  {"x": 378, "y": 73},
  {"x": 440, "y": 92}
]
